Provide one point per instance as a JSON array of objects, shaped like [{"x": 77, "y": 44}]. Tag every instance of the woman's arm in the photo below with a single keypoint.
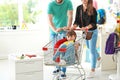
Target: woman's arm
[
  {"x": 76, "y": 22},
  {"x": 78, "y": 18},
  {"x": 93, "y": 21}
]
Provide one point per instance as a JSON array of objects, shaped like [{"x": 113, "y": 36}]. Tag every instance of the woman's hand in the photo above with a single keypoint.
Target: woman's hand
[
  {"x": 73, "y": 27},
  {"x": 83, "y": 28}
]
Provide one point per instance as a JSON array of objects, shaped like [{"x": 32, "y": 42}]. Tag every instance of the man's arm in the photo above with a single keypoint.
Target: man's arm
[
  {"x": 70, "y": 18},
  {"x": 51, "y": 23}
]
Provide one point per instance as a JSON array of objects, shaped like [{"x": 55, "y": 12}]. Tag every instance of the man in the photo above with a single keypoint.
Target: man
[{"x": 60, "y": 14}]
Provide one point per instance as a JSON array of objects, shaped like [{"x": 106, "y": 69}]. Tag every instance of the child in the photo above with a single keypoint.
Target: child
[{"x": 67, "y": 57}]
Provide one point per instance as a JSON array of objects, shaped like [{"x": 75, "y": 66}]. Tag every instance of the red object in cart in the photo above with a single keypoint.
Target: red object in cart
[{"x": 56, "y": 46}]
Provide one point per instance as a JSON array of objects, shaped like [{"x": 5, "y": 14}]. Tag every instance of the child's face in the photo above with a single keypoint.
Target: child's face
[{"x": 71, "y": 37}]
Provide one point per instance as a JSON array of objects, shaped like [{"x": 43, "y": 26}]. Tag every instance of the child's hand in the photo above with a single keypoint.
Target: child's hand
[{"x": 76, "y": 46}]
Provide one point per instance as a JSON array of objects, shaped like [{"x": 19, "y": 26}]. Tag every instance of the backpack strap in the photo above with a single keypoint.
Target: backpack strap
[{"x": 116, "y": 39}]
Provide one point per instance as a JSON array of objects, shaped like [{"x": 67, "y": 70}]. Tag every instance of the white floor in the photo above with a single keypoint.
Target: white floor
[{"x": 100, "y": 75}]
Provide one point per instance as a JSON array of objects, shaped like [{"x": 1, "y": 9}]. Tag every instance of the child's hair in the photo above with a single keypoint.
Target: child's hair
[{"x": 71, "y": 33}]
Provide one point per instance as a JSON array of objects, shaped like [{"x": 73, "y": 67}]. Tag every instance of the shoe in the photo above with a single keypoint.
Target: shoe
[
  {"x": 55, "y": 72},
  {"x": 98, "y": 63},
  {"x": 63, "y": 75},
  {"x": 91, "y": 75}
]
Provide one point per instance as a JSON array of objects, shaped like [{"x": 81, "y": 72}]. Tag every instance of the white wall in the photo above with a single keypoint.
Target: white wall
[{"x": 22, "y": 41}]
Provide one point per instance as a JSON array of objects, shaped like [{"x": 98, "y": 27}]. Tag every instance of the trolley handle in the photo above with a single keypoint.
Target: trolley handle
[
  {"x": 79, "y": 29},
  {"x": 86, "y": 29}
]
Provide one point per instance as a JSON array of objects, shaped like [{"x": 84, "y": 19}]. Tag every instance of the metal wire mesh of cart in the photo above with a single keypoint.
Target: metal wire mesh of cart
[{"x": 76, "y": 65}]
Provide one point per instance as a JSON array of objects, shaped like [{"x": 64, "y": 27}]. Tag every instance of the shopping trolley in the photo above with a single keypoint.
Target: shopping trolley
[{"x": 48, "y": 58}]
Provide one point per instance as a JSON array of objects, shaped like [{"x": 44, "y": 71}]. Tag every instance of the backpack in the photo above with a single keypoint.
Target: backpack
[
  {"x": 101, "y": 16},
  {"x": 111, "y": 43}
]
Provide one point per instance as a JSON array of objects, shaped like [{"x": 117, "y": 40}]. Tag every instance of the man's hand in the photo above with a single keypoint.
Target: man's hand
[
  {"x": 66, "y": 28},
  {"x": 58, "y": 30}
]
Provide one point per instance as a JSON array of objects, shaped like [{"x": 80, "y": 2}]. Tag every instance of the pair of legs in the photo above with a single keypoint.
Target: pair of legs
[
  {"x": 68, "y": 56},
  {"x": 91, "y": 45},
  {"x": 55, "y": 38}
]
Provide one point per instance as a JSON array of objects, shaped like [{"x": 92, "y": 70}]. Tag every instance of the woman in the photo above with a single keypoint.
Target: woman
[{"x": 86, "y": 17}]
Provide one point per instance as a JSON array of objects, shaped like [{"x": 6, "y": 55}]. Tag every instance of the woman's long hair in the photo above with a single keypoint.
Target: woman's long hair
[{"x": 90, "y": 7}]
